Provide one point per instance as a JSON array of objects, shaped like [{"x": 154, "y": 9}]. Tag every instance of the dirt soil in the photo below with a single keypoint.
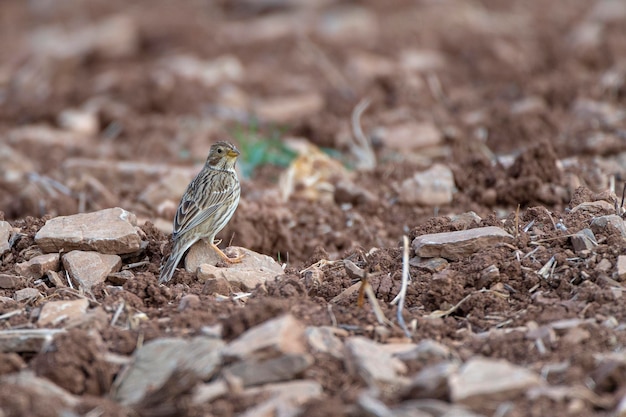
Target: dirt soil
[{"x": 528, "y": 102}]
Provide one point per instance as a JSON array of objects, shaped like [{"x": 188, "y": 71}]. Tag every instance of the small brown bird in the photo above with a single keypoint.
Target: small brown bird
[{"x": 209, "y": 202}]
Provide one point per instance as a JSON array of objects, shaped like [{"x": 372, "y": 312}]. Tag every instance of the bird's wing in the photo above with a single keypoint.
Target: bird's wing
[{"x": 196, "y": 208}]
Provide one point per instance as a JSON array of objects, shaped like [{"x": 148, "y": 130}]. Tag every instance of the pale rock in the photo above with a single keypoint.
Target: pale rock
[
  {"x": 594, "y": 207},
  {"x": 205, "y": 393},
  {"x": 621, "y": 267},
  {"x": 284, "y": 368},
  {"x": 14, "y": 167},
  {"x": 324, "y": 340},
  {"x": 369, "y": 405},
  {"x": 431, "y": 265},
  {"x": 433, "y": 187},
  {"x": 155, "y": 362},
  {"x": 38, "y": 266},
  {"x": 79, "y": 121},
  {"x": 5, "y": 234},
  {"x": 367, "y": 66},
  {"x": 346, "y": 24},
  {"x": 421, "y": 60},
  {"x": 254, "y": 268},
  {"x": 458, "y": 245},
  {"x": 109, "y": 231},
  {"x": 170, "y": 187},
  {"x": 121, "y": 277},
  {"x": 280, "y": 336},
  {"x": 528, "y": 105},
  {"x": 598, "y": 224},
  {"x": 9, "y": 281},
  {"x": 87, "y": 269},
  {"x": 373, "y": 364},
  {"x": 604, "y": 265},
  {"x": 43, "y": 136},
  {"x": 431, "y": 381},
  {"x": 222, "y": 69},
  {"x": 412, "y": 135},
  {"x": 286, "y": 109},
  {"x": 465, "y": 220},
  {"x": 426, "y": 351},
  {"x": 27, "y": 340},
  {"x": 114, "y": 37},
  {"x": 189, "y": 301},
  {"x": 584, "y": 240},
  {"x": 284, "y": 400},
  {"x": 26, "y": 294},
  {"x": 40, "y": 388},
  {"x": 66, "y": 311},
  {"x": 483, "y": 382}
]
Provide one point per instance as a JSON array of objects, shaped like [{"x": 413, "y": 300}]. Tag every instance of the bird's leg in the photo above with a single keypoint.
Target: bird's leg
[{"x": 226, "y": 258}]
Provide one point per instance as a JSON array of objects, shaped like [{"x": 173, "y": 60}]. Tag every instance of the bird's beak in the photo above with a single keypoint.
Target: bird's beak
[{"x": 233, "y": 153}]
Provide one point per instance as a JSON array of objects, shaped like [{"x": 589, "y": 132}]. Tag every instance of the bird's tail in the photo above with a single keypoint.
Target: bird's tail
[{"x": 167, "y": 269}]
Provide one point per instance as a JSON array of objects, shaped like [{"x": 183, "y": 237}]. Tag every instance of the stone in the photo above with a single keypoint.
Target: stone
[
  {"x": 483, "y": 382},
  {"x": 346, "y": 24},
  {"x": 55, "y": 279},
  {"x": 465, "y": 220},
  {"x": 121, "y": 277},
  {"x": 205, "y": 393},
  {"x": 26, "y": 294},
  {"x": 426, "y": 351},
  {"x": 254, "y": 268},
  {"x": 87, "y": 269},
  {"x": 431, "y": 382},
  {"x": 621, "y": 267},
  {"x": 116, "y": 36},
  {"x": 37, "y": 266},
  {"x": 584, "y": 240},
  {"x": 79, "y": 121},
  {"x": 412, "y": 135},
  {"x": 373, "y": 364},
  {"x": 222, "y": 69},
  {"x": 284, "y": 398},
  {"x": 594, "y": 207},
  {"x": 155, "y": 362},
  {"x": 421, "y": 60},
  {"x": 5, "y": 234},
  {"x": 109, "y": 231},
  {"x": 26, "y": 340},
  {"x": 350, "y": 193},
  {"x": 324, "y": 340},
  {"x": 283, "y": 368},
  {"x": 9, "y": 281},
  {"x": 433, "y": 187},
  {"x": 285, "y": 109},
  {"x": 40, "y": 388},
  {"x": 431, "y": 265},
  {"x": 273, "y": 338},
  {"x": 170, "y": 187},
  {"x": 598, "y": 224},
  {"x": 66, "y": 311},
  {"x": 431, "y": 407},
  {"x": 460, "y": 244},
  {"x": 604, "y": 265},
  {"x": 189, "y": 301}
]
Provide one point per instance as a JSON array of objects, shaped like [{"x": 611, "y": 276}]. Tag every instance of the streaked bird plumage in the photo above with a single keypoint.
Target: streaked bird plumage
[{"x": 207, "y": 205}]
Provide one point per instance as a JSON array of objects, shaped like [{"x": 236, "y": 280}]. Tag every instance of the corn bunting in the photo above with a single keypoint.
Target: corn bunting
[{"x": 206, "y": 207}]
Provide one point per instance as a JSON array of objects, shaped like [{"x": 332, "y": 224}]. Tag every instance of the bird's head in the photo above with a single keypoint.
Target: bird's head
[{"x": 223, "y": 155}]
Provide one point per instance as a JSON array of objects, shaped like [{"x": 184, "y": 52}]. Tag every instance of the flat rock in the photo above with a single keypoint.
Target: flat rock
[
  {"x": 284, "y": 398},
  {"x": 158, "y": 359},
  {"x": 598, "y": 224},
  {"x": 67, "y": 311},
  {"x": 37, "y": 266},
  {"x": 109, "y": 231},
  {"x": 284, "y": 368},
  {"x": 274, "y": 338},
  {"x": 584, "y": 240},
  {"x": 26, "y": 340},
  {"x": 433, "y": 187},
  {"x": 5, "y": 234},
  {"x": 621, "y": 267},
  {"x": 431, "y": 381},
  {"x": 41, "y": 388},
  {"x": 286, "y": 109},
  {"x": 324, "y": 340},
  {"x": 460, "y": 244},
  {"x": 26, "y": 294},
  {"x": 412, "y": 135},
  {"x": 87, "y": 269},
  {"x": 373, "y": 364},
  {"x": 254, "y": 268},
  {"x": 9, "y": 281},
  {"x": 488, "y": 382}
]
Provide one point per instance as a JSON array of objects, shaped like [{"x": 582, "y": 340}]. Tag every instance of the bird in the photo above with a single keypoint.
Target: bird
[{"x": 207, "y": 205}]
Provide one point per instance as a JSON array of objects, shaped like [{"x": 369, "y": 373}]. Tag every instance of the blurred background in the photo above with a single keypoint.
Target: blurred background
[{"x": 116, "y": 103}]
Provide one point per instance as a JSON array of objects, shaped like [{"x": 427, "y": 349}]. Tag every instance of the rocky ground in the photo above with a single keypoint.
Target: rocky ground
[{"x": 472, "y": 152}]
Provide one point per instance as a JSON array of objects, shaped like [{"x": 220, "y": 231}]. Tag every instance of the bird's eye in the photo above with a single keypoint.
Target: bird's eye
[{"x": 220, "y": 150}]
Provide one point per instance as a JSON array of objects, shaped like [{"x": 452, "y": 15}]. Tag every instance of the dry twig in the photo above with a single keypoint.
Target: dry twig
[{"x": 361, "y": 148}]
